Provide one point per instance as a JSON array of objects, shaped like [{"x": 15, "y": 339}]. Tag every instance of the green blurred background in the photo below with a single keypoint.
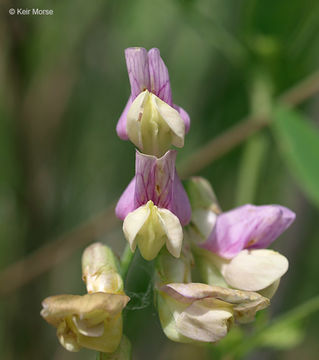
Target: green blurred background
[{"x": 63, "y": 86}]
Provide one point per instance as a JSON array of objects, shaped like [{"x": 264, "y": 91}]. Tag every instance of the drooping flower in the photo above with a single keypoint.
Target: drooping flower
[
  {"x": 147, "y": 71},
  {"x": 235, "y": 252},
  {"x": 196, "y": 312},
  {"x": 248, "y": 227},
  {"x": 156, "y": 180},
  {"x": 94, "y": 320}
]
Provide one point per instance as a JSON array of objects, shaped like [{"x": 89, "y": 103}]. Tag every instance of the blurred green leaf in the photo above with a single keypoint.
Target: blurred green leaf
[
  {"x": 298, "y": 141},
  {"x": 284, "y": 332},
  {"x": 282, "y": 336}
]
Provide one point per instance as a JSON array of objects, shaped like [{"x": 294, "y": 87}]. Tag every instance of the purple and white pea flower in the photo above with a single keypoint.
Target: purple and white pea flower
[
  {"x": 150, "y": 119},
  {"x": 237, "y": 243},
  {"x": 240, "y": 238},
  {"x": 154, "y": 206}
]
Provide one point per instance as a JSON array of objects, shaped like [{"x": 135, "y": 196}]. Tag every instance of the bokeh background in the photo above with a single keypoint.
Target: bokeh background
[{"x": 63, "y": 85}]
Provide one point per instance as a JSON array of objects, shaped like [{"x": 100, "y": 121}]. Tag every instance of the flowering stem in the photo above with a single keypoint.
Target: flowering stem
[{"x": 126, "y": 260}]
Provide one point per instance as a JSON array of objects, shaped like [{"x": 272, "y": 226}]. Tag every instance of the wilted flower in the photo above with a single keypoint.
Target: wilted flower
[
  {"x": 148, "y": 75},
  {"x": 201, "y": 313},
  {"x": 93, "y": 320}
]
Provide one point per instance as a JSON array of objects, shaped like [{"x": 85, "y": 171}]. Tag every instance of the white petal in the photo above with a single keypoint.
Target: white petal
[
  {"x": 173, "y": 231},
  {"x": 173, "y": 120},
  {"x": 134, "y": 115},
  {"x": 205, "y": 320},
  {"x": 133, "y": 223},
  {"x": 253, "y": 270}
]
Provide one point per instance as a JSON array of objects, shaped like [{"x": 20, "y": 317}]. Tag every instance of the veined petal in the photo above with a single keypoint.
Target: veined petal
[
  {"x": 159, "y": 78},
  {"x": 138, "y": 70},
  {"x": 173, "y": 231},
  {"x": 154, "y": 179},
  {"x": 121, "y": 124},
  {"x": 205, "y": 320},
  {"x": 248, "y": 226},
  {"x": 133, "y": 223},
  {"x": 126, "y": 202},
  {"x": 184, "y": 115},
  {"x": 253, "y": 270},
  {"x": 285, "y": 219},
  {"x": 180, "y": 205}
]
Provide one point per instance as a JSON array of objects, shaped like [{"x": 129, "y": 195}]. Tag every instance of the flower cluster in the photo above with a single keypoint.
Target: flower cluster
[{"x": 180, "y": 228}]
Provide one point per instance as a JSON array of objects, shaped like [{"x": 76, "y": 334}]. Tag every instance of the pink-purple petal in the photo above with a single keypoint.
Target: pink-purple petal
[
  {"x": 184, "y": 115},
  {"x": 248, "y": 227},
  {"x": 159, "y": 78},
  {"x": 126, "y": 203},
  {"x": 138, "y": 70},
  {"x": 180, "y": 205},
  {"x": 154, "y": 179},
  {"x": 121, "y": 124}
]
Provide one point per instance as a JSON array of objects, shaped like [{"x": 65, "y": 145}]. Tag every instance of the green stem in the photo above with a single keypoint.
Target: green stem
[
  {"x": 256, "y": 147},
  {"x": 251, "y": 165},
  {"x": 126, "y": 260}
]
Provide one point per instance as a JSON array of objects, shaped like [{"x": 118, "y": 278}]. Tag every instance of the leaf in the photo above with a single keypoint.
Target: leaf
[{"x": 298, "y": 141}]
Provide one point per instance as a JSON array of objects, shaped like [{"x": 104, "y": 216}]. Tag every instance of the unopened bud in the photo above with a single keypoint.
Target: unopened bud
[{"x": 100, "y": 270}]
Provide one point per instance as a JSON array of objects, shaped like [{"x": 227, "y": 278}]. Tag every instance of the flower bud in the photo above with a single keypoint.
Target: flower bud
[
  {"x": 151, "y": 228},
  {"x": 204, "y": 207},
  {"x": 172, "y": 270},
  {"x": 100, "y": 270},
  {"x": 154, "y": 126}
]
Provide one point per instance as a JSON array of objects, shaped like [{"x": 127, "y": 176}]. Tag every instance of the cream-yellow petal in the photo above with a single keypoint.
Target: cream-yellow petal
[
  {"x": 205, "y": 321},
  {"x": 67, "y": 338},
  {"x": 254, "y": 270},
  {"x": 173, "y": 231},
  {"x": 173, "y": 120},
  {"x": 134, "y": 115},
  {"x": 133, "y": 223},
  {"x": 84, "y": 328}
]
